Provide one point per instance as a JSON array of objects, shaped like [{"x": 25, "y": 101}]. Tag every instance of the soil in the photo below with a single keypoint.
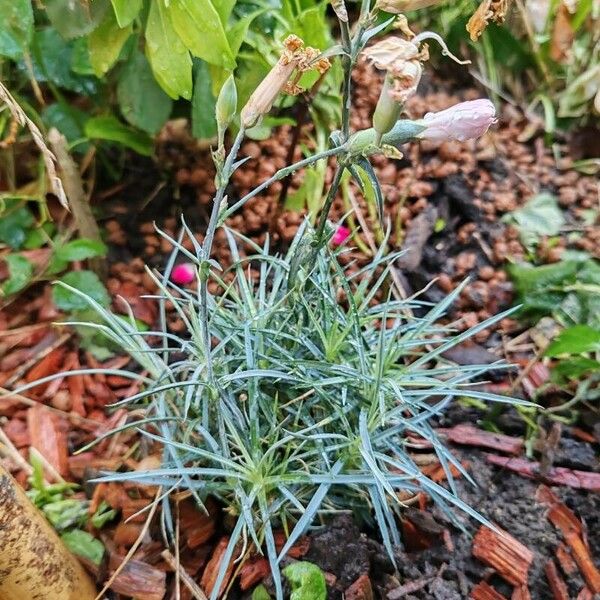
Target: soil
[{"x": 466, "y": 187}]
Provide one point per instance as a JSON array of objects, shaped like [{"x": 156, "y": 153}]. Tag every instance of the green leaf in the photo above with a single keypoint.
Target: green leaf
[
  {"x": 20, "y": 272},
  {"x": 14, "y": 223},
  {"x": 65, "y": 513},
  {"x": 106, "y": 42},
  {"x": 103, "y": 515},
  {"x": 198, "y": 25},
  {"x": 204, "y": 124},
  {"x": 126, "y": 10},
  {"x": 540, "y": 216},
  {"x": 52, "y": 61},
  {"x": 572, "y": 369},
  {"x": 16, "y": 27},
  {"x": 74, "y": 19},
  {"x": 111, "y": 129},
  {"x": 169, "y": 58},
  {"x": 224, "y": 8},
  {"x": 40, "y": 236},
  {"x": 84, "y": 281},
  {"x": 307, "y": 581},
  {"x": 68, "y": 120},
  {"x": 80, "y": 250},
  {"x": 84, "y": 544},
  {"x": 575, "y": 340},
  {"x": 260, "y": 593},
  {"x": 141, "y": 100}
]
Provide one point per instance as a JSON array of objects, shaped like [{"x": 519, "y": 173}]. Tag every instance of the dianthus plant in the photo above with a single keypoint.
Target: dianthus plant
[{"x": 292, "y": 392}]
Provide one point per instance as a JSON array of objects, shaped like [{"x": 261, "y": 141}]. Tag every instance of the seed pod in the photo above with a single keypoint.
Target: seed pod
[{"x": 387, "y": 110}]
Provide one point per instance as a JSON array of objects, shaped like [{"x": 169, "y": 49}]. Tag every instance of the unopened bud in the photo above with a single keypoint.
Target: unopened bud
[
  {"x": 463, "y": 121},
  {"x": 226, "y": 105},
  {"x": 387, "y": 110}
]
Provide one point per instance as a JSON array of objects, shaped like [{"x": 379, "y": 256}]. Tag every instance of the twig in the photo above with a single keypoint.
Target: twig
[
  {"x": 82, "y": 212},
  {"x": 189, "y": 583}
]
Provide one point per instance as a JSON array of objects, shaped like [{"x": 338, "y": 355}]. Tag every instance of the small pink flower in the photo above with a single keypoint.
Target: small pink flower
[
  {"x": 183, "y": 274},
  {"x": 463, "y": 121},
  {"x": 340, "y": 236}
]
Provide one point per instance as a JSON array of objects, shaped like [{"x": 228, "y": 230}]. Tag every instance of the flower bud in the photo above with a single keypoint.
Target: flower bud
[
  {"x": 226, "y": 103},
  {"x": 463, "y": 121},
  {"x": 340, "y": 236},
  {"x": 400, "y": 6},
  {"x": 183, "y": 274}
]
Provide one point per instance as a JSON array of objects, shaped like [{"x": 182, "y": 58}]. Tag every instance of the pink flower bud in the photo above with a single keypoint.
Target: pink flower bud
[
  {"x": 340, "y": 236},
  {"x": 463, "y": 121},
  {"x": 183, "y": 274}
]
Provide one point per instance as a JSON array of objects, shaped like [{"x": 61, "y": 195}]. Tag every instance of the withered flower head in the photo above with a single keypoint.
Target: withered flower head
[
  {"x": 488, "y": 10},
  {"x": 295, "y": 57},
  {"x": 401, "y": 59}
]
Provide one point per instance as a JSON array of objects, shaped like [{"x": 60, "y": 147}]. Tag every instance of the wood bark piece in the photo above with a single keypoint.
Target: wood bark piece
[
  {"x": 138, "y": 579},
  {"x": 211, "y": 572},
  {"x": 253, "y": 572},
  {"x": 573, "y": 532},
  {"x": 521, "y": 593},
  {"x": 484, "y": 591},
  {"x": 361, "y": 589},
  {"x": 557, "y": 583},
  {"x": 34, "y": 563},
  {"x": 584, "y": 480},
  {"x": 47, "y": 438},
  {"x": 472, "y": 436},
  {"x": 567, "y": 564},
  {"x": 504, "y": 553}
]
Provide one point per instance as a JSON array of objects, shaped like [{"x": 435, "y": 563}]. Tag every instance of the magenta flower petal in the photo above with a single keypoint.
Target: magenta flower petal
[
  {"x": 340, "y": 236},
  {"x": 183, "y": 274}
]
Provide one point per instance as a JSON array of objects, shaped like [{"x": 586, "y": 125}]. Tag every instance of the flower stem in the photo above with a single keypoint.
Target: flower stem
[{"x": 282, "y": 173}]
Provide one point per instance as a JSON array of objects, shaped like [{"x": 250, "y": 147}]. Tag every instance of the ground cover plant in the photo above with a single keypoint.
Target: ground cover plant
[{"x": 290, "y": 394}]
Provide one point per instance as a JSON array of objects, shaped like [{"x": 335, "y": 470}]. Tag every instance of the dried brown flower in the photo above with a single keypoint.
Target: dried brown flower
[{"x": 488, "y": 10}]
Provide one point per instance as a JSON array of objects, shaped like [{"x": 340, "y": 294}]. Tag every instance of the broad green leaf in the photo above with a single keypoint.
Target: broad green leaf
[
  {"x": 68, "y": 120},
  {"x": 572, "y": 369},
  {"x": 540, "y": 216},
  {"x": 84, "y": 281},
  {"x": 198, "y": 25},
  {"x": 75, "y": 18},
  {"x": 16, "y": 27},
  {"x": 80, "y": 250},
  {"x": 238, "y": 31},
  {"x": 224, "y": 8},
  {"x": 204, "y": 124},
  {"x": 168, "y": 56},
  {"x": 36, "y": 238},
  {"x": 141, "y": 100},
  {"x": 20, "y": 271},
  {"x": 575, "y": 340},
  {"x": 112, "y": 130},
  {"x": 80, "y": 57},
  {"x": 260, "y": 593},
  {"x": 53, "y": 59},
  {"x": 307, "y": 581},
  {"x": 106, "y": 42},
  {"x": 84, "y": 544},
  {"x": 103, "y": 515},
  {"x": 126, "y": 10},
  {"x": 14, "y": 223}
]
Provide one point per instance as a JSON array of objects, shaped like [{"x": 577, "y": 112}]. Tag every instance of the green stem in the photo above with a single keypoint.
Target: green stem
[
  {"x": 224, "y": 177},
  {"x": 335, "y": 185},
  {"x": 281, "y": 174}
]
